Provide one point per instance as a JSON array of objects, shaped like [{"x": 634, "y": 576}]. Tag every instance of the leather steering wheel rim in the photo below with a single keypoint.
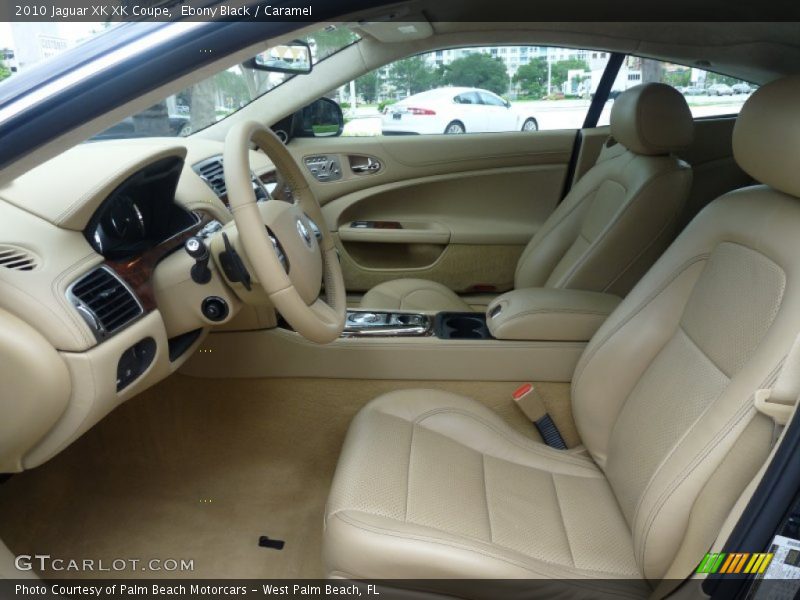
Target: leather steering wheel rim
[{"x": 293, "y": 292}]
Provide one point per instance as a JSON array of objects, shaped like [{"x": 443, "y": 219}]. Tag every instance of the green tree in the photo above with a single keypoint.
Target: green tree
[
  {"x": 233, "y": 88},
  {"x": 560, "y": 70},
  {"x": 330, "y": 40},
  {"x": 367, "y": 86},
  {"x": 412, "y": 75},
  {"x": 4, "y": 70},
  {"x": 478, "y": 70},
  {"x": 532, "y": 78},
  {"x": 678, "y": 78}
]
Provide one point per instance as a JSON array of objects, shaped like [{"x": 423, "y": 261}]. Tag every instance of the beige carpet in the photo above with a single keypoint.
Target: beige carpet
[{"x": 198, "y": 469}]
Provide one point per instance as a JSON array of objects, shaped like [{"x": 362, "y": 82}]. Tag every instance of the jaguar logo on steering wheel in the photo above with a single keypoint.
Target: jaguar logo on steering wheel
[{"x": 304, "y": 233}]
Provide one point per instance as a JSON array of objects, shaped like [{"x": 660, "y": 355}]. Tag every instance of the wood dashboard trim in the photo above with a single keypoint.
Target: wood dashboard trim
[{"x": 138, "y": 272}]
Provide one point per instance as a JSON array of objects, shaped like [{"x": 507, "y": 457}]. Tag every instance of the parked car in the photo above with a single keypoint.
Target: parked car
[
  {"x": 179, "y": 125},
  {"x": 455, "y": 110},
  {"x": 693, "y": 90},
  {"x": 720, "y": 89},
  {"x": 742, "y": 88}
]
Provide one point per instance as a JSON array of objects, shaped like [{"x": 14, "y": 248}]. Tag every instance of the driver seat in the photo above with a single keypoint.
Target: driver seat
[
  {"x": 434, "y": 485},
  {"x": 611, "y": 226}
]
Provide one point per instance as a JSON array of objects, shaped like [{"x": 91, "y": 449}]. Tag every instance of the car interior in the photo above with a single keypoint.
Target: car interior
[{"x": 541, "y": 355}]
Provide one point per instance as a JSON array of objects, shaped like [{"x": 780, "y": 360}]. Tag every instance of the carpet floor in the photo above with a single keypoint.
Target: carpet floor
[{"x": 198, "y": 469}]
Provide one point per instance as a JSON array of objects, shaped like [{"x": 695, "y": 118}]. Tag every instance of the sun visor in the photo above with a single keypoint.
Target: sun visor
[{"x": 390, "y": 32}]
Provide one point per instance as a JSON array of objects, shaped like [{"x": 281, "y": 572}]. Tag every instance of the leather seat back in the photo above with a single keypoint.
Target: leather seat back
[
  {"x": 622, "y": 214},
  {"x": 663, "y": 395}
]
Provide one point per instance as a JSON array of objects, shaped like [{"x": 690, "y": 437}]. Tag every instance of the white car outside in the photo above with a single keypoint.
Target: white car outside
[{"x": 454, "y": 110}]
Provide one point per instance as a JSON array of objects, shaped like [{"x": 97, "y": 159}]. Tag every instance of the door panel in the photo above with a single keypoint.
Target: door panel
[{"x": 454, "y": 209}]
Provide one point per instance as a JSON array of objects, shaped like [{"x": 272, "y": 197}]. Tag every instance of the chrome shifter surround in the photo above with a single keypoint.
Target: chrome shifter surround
[{"x": 368, "y": 323}]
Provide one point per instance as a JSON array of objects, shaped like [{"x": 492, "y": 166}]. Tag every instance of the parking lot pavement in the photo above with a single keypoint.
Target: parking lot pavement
[{"x": 559, "y": 114}]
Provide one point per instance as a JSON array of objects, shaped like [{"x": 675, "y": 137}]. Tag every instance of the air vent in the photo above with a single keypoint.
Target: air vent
[
  {"x": 17, "y": 259},
  {"x": 104, "y": 302},
  {"x": 213, "y": 174}
]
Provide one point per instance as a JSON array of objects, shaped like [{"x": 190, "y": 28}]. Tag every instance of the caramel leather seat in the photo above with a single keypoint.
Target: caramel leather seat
[
  {"x": 431, "y": 485},
  {"x": 614, "y": 223}
]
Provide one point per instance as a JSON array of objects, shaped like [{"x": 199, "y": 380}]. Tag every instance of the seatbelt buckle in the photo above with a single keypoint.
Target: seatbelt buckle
[
  {"x": 522, "y": 391},
  {"x": 527, "y": 398},
  {"x": 777, "y": 411}
]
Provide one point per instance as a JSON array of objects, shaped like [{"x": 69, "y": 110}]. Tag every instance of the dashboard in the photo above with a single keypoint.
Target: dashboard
[
  {"x": 103, "y": 292},
  {"x": 141, "y": 213}
]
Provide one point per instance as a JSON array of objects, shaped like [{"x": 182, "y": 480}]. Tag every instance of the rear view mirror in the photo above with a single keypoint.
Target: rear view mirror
[{"x": 294, "y": 57}]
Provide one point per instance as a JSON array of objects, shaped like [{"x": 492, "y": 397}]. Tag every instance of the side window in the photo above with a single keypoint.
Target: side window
[
  {"x": 708, "y": 94},
  {"x": 474, "y": 90},
  {"x": 491, "y": 100},
  {"x": 467, "y": 98}
]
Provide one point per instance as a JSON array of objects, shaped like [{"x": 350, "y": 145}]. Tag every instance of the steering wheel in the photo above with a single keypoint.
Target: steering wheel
[{"x": 267, "y": 228}]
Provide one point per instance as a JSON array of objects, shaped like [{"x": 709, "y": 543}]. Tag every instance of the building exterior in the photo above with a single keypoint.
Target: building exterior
[{"x": 34, "y": 42}]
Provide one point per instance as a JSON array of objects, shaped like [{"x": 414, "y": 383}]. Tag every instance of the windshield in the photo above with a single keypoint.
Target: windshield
[
  {"x": 24, "y": 45},
  {"x": 220, "y": 95}
]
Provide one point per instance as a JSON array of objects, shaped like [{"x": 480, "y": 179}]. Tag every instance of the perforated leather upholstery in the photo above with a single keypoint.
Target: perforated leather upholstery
[
  {"x": 613, "y": 224},
  {"x": 433, "y": 485}
]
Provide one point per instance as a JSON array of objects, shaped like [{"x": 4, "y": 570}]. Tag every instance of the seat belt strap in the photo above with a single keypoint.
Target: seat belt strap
[
  {"x": 778, "y": 402},
  {"x": 550, "y": 433}
]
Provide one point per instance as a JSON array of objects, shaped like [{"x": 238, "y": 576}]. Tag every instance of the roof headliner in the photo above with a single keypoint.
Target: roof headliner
[{"x": 753, "y": 51}]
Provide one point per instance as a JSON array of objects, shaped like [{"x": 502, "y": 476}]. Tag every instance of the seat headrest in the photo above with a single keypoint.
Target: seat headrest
[
  {"x": 766, "y": 138},
  {"x": 652, "y": 119}
]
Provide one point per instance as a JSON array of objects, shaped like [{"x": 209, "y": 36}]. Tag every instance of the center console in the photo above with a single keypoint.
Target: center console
[
  {"x": 443, "y": 325},
  {"x": 535, "y": 334},
  {"x": 531, "y": 314}
]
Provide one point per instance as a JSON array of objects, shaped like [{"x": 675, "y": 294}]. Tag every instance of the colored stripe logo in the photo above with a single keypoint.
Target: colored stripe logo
[{"x": 735, "y": 562}]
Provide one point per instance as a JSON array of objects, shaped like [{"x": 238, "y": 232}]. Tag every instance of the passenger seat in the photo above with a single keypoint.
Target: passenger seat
[{"x": 614, "y": 223}]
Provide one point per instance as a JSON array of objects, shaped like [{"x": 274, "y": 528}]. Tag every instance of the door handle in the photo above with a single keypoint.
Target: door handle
[{"x": 370, "y": 166}]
